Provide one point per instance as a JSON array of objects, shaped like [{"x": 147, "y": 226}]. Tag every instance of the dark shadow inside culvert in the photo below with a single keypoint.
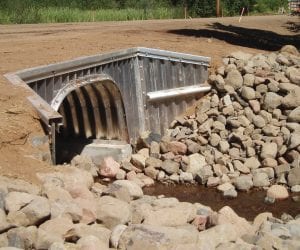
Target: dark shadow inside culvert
[{"x": 92, "y": 111}]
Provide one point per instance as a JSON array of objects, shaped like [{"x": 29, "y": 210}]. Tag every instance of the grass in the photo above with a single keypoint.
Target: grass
[{"x": 64, "y": 15}]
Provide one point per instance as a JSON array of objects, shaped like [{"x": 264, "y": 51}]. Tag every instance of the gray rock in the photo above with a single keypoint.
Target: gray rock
[
  {"x": 121, "y": 174},
  {"x": 3, "y": 240},
  {"x": 22, "y": 237},
  {"x": 243, "y": 183},
  {"x": 12, "y": 184},
  {"x": 102, "y": 233},
  {"x": 186, "y": 177},
  {"x": 170, "y": 166},
  {"x": 214, "y": 139},
  {"x": 252, "y": 163},
  {"x": 213, "y": 181},
  {"x": 249, "y": 80},
  {"x": 293, "y": 74},
  {"x": 231, "y": 193},
  {"x": 174, "y": 216},
  {"x": 151, "y": 172},
  {"x": 295, "y": 189},
  {"x": 262, "y": 88},
  {"x": 219, "y": 126},
  {"x": 294, "y": 177},
  {"x": 241, "y": 167},
  {"x": 174, "y": 178},
  {"x": 85, "y": 162},
  {"x": 203, "y": 174},
  {"x": 259, "y": 121},
  {"x": 154, "y": 149},
  {"x": 116, "y": 234},
  {"x": 239, "y": 55},
  {"x": 261, "y": 180},
  {"x": 294, "y": 141},
  {"x": 271, "y": 101},
  {"x": 215, "y": 236},
  {"x": 269, "y": 150},
  {"x": 224, "y": 146},
  {"x": 271, "y": 130},
  {"x": 14, "y": 201},
  {"x": 248, "y": 93},
  {"x": 3, "y": 193},
  {"x": 153, "y": 162},
  {"x": 234, "y": 79},
  {"x": 140, "y": 236},
  {"x": 54, "y": 230},
  {"x": 195, "y": 163},
  {"x": 282, "y": 168},
  {"x": 134, "y": 190},
  {"x": 91, "y": 242},
  {"x": 294, "y": 116},
  {"x": 36, "y": 211},
  {"x": 292, "y": 99}
]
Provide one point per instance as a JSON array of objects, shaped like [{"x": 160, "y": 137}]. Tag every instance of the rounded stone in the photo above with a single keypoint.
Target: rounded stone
[{"x": 277, "y": 192}]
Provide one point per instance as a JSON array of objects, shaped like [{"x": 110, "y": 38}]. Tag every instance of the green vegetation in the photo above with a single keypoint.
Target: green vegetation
[{"x": 49, "y": 11}]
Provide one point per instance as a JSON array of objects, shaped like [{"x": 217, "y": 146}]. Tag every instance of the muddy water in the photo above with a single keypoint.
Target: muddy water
[{"x": 247, "y": 205}]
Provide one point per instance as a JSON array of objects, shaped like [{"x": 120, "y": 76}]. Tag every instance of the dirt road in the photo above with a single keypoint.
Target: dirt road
[{"x": 23, "y": 46}]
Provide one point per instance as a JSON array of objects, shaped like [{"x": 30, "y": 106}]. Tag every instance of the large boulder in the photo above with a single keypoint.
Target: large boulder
[
  {"x": 178, "y": 215},
  {"x": 234, "y": 79},
  {"x": 112, "y": 212},
  {"x": 140, "y": 236}
]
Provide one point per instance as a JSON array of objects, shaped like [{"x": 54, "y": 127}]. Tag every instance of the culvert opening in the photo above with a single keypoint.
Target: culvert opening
[{"x": 90, "y": 112}]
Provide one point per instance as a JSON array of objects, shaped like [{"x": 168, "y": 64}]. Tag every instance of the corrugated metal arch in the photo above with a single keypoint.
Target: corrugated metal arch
[{"x": 92, "y": 108}]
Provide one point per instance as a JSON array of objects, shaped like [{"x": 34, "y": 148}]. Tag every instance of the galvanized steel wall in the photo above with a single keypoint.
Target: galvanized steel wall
[{"x": 136, "y": 72}]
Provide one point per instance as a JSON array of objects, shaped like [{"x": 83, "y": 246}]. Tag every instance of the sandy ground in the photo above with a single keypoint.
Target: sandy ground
[{"x": 24, "y": 46}]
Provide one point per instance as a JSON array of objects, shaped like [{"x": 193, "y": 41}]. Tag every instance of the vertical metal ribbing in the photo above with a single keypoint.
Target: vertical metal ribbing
[
  {"x": 120, "y": 112},
  {"x": 97, "y": 116},
  {"x": 74, "y": 115},
  {"x": 84, "y": 110},
  {"x": 108, "y": 114},
  {"x": 62, "y": 111}
]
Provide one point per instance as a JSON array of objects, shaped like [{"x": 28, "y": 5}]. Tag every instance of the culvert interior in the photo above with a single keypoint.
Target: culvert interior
[{"x": 92, "y": 111}]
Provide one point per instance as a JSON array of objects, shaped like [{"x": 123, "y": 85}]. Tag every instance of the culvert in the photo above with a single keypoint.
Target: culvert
[{"x": 113, "y": 96}]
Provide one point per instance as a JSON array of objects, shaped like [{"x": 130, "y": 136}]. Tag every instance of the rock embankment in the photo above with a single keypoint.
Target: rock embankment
[
  {"x": 70, "y": 211},
  {"x": 244, "y": 134}
]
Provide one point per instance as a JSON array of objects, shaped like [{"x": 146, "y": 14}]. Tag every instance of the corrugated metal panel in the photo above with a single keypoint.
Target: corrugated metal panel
[{"x": 135, "y": 72}]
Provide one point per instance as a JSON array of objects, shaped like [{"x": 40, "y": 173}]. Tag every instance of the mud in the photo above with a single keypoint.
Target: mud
[{"x": 247, "y": 204}]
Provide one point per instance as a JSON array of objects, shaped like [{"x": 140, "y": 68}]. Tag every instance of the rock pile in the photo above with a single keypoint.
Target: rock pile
[
  {"x": 70, "y": 211},
  {"x": 244, "y": 134}
]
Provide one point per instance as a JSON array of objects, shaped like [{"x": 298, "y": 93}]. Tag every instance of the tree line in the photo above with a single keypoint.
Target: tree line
[{"x": 18, "y": 10}]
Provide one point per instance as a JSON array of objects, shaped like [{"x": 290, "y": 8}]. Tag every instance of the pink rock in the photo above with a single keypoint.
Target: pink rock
[
  {"x": 200, "y": 222},
  {"x": 109, "y": 167},
  {"x": 131, "y": 175},
  {"x": 175, "y": 147},
  {"x": 81, "y": 192},
  {"x": 147, "y": 181}
]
